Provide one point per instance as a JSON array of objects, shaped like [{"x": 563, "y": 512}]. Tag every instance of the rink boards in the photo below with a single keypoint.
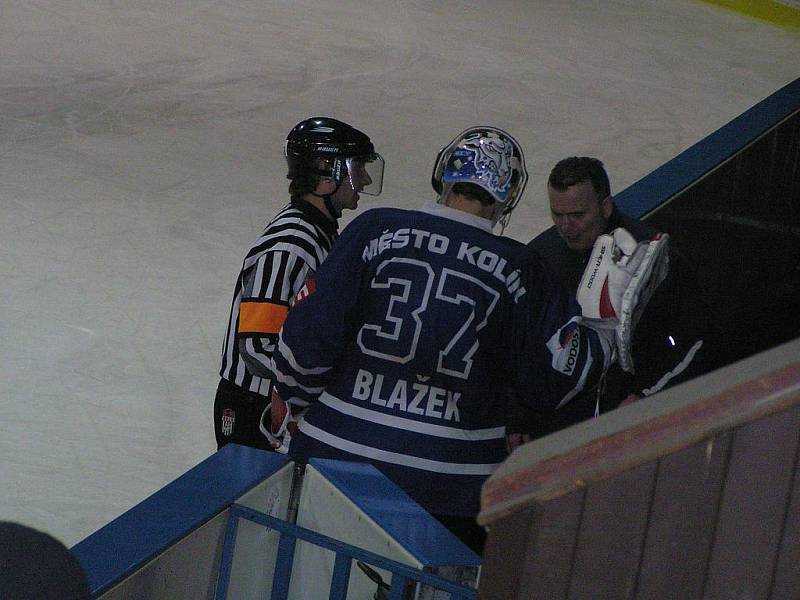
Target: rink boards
[{"x": 173, "y": 544}]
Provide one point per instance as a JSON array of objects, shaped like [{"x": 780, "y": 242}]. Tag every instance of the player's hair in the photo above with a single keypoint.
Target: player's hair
[
  {"x": 579, "y": 169},
  {"x": 304, "y": 180},
  {"x": 473, "y": 191}
]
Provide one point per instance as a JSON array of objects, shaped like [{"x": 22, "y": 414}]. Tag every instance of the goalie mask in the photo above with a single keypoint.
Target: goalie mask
[
  {"x": 488, "y": 157},
  {"x": 334, "y": 150}
]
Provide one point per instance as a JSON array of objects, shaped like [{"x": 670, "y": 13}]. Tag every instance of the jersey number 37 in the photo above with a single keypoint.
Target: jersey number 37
[{"x": 414, "y": 297}]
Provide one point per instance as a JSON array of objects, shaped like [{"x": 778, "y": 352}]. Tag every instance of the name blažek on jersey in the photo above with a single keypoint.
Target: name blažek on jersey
[
  {"x": 439, "y": 244},
  {"x": 411, "y": 397}
]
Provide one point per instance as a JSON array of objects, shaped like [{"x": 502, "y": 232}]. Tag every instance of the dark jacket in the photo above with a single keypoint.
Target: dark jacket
[{"x": 673, "y": 341}]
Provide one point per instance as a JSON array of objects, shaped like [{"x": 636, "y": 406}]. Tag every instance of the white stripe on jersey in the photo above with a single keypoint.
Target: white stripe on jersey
[
  {"x": 263, "y": 359},
  {"x": 396, "y": 458},
  {"x": 258, "y": 276},
  {"x": 292, "y": 248},
  {"x": 287, "y": 354},
  {"x": 395, "y": 422}
]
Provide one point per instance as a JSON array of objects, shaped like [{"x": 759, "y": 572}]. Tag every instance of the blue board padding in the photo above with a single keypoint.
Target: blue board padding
[
  {"x": 420, "y": 534},
  {"x": 149, "y": 528},
  {"x": 653, "y": 190}
]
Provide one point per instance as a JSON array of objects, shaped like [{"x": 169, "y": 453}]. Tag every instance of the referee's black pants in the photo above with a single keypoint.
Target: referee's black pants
[{"x": 237, "y": 413}]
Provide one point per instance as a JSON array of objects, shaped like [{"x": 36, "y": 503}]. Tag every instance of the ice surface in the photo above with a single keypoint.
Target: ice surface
[{"x": 140, "y": 153}]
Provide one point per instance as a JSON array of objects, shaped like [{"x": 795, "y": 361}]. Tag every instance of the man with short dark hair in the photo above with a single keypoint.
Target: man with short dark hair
[
  {"x": 329, "y": 164},
  {"x": 673, "y": 340}
]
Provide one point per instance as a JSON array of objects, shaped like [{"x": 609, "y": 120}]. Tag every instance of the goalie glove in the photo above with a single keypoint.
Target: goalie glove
[
  {"x": 278, "y": 424},
  {"x": 618, "y": 282}
]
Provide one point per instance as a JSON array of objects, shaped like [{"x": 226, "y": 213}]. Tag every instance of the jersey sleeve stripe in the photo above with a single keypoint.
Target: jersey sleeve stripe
[
  {"x": 261, "y": 317},
  {"x": 277, "y": 271},
  {"x": 287, "y": 354},
  {"x": 397, "y": 458},
  {"x": 252, "y": 286},
  {"x": 395, "y": 422},
  {"x": 307, "y": 249},
  {"x": 255, "y": 357},
  {"x": 290, "y": 381}
]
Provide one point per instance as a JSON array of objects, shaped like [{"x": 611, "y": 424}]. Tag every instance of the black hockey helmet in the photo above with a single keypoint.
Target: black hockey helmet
[{"x": 343, "y": 148}]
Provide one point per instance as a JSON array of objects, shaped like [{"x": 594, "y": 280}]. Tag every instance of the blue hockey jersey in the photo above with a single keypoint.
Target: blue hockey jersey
[{"x": 409, "y": 340}]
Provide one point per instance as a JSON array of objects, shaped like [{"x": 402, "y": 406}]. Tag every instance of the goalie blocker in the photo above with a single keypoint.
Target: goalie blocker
[{"x": 618, "y": 282}]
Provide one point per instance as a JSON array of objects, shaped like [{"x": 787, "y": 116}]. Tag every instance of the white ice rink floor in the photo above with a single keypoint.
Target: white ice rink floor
[{"x": 140, "y": 153}]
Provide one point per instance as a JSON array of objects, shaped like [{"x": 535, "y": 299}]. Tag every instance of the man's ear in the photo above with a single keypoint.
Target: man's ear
[
  {"x": 607, "y": 206},
  {"x": 325, "y": 186}
]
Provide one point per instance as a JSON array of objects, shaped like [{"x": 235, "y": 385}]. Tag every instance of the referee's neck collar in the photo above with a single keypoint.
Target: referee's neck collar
[{"x": 316, "y": 216}]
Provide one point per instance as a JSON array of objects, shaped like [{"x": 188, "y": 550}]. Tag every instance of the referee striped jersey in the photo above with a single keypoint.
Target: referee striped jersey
[{"x": 277, "y": 266}]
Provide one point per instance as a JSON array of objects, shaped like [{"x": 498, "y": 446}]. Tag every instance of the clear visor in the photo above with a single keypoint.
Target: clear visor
[{"x": 366, "y": 173}]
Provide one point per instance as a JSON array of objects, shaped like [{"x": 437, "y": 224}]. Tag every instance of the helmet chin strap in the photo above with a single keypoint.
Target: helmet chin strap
[
  {"x": 329, "y": 205},
  {"x": 336, "y": 176},
  {"x": 336, "y": 212}
]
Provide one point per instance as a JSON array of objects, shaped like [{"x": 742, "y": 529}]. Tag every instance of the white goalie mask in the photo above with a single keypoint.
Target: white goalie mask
[{"x": 488, "y": 157}]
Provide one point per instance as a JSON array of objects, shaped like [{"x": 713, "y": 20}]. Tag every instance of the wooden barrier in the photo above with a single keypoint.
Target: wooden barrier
[{"x": 693, "y": 493}]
